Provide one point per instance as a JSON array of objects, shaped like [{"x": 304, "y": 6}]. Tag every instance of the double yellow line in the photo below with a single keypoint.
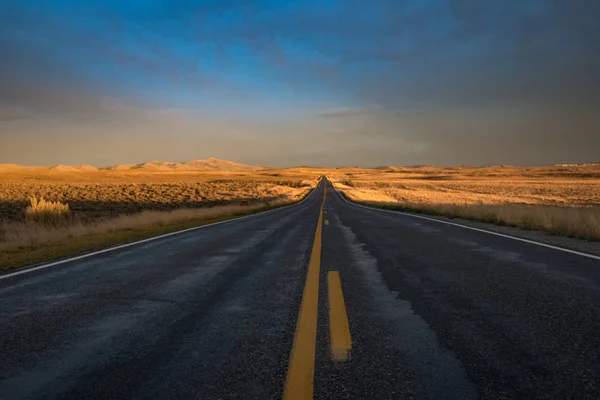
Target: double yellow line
[{"x": 300, "y": 377}]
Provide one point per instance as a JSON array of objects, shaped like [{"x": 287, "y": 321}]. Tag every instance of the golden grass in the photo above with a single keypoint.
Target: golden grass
[
  {"x": 158, "y": 177},
  {"x": 582, "y": 223},
  {"x": 93, "y": 195},
  {"x": 557, "y": 200},
  {"x": 44, "y": 212},
  {"x": 559, "y": 191},
  {"x": 11, "y": 257},
  {"x": 25, "y": 244},
  {"x": 30, "y": 235},
  {"x": 36, "y": 236}
]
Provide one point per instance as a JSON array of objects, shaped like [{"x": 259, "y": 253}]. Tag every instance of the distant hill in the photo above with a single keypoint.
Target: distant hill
[
  {"x": 73, "y": 168},
  {"x": 120, "y": 167},
  {"x": 388, "y": 168},
  {"x": 58, "y": 168},
  {"x": 213, "y": 164},
  {"x": 11, "y": 167},
  {"x": 590, "y": 164},
  {"x": 210, "y": 164}
]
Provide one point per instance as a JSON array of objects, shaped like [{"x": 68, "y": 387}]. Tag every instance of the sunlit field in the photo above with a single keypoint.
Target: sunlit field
[
  {"x": 46, "y": 214},
  {"x": 111, "y": 193},
  {"x": 559, "y": 200}
]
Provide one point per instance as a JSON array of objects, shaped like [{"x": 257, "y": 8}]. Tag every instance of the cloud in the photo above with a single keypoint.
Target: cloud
[
  {"x": 8, "y": 114},
  {"x": 342, "y": 112},
  {"x": 460, "y": 81}
]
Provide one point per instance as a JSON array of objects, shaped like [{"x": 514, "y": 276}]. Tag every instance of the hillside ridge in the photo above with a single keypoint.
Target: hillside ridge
[{"x": 209, "y": 164}]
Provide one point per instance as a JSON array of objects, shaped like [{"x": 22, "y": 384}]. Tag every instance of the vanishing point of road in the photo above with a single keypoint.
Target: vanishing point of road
[{"x": 323, "y": 299}]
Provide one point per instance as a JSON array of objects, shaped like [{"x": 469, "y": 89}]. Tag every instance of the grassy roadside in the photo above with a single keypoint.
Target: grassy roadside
[
  {"x": 19, "y": 256},
  {"x": 575, "y": 222}
]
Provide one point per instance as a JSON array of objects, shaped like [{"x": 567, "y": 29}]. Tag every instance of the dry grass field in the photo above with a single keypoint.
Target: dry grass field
[
  {"x": 85, "y": 209},
  {"x": 558, "y": 200},
  {"x": 93, "y": 195},
  {"x": 48, "y": 213}
]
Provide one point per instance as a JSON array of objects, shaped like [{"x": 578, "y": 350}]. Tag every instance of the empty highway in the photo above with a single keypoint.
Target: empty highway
[{"x": 324, "y": 299}]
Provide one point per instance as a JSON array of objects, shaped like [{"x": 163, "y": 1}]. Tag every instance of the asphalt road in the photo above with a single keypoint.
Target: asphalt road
[{"x": 433, "y": 311}]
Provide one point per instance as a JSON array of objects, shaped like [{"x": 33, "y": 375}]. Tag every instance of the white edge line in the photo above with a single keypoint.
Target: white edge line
[
  {"x": 27, "y": 270},
  {"x": 579, "y": 253}
]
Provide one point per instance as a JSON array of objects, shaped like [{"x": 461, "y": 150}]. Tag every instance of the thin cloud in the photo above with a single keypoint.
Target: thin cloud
[{"x": 341, "y": 112}]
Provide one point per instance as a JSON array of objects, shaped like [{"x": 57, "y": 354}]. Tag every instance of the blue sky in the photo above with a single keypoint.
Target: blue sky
[{"x": 312, "y": 82}]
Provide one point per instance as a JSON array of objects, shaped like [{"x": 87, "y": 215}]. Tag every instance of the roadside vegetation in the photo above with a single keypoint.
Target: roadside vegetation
[
  {"x": 557, "y": 200},
  {"x": 111, "y": 198},
  {"x": 46, "y": 213},
  {"x": 34, "y": 228}
]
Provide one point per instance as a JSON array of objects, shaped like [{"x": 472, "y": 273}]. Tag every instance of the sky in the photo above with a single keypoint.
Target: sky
[{"x": 312, "y": 82}]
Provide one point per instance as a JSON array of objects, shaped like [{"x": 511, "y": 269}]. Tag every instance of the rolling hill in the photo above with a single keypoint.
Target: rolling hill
[
  {"x": 210, "y": 164},
  {"x": 213, "y": 164}
]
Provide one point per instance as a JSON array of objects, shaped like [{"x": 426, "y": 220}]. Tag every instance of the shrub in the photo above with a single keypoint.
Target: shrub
[{"x": 45, "y": 212}]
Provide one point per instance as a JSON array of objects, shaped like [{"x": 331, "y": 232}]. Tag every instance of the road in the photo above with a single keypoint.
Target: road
[{"x": 254, "y": 309}]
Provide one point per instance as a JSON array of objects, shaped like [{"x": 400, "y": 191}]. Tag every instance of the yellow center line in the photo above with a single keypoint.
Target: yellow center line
[
  {"x": 300, "y": 376},
  {"x": 339, "y": 329}
]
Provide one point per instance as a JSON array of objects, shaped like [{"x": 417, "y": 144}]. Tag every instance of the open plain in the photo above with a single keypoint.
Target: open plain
[
  {"x": 107, "y": 207},
  {"x": 561, "y": 200}
]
